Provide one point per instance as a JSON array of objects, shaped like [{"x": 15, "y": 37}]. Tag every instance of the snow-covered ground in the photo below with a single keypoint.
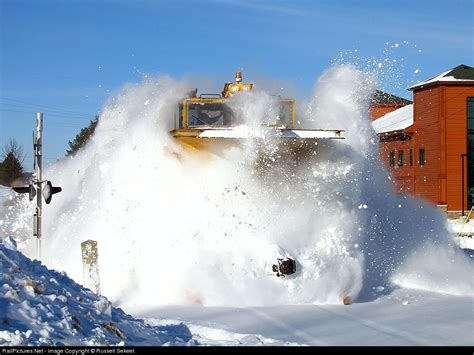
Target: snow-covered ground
[
  {"x": 191, "y": 237},
  {"x": 43, "y": 307},
  {"x": 463, "y": 231},
  {"x": 404, "y": 317}
]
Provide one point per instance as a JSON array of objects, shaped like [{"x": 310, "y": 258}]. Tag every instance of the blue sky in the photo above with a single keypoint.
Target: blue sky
[{"x": 66, "y": 57}]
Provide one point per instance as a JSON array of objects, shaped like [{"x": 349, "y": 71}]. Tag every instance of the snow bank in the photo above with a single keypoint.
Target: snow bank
[
  {"x": 15, "y": 215},
  {"x": 216, "y": 336},
  {"x": 5, "y": 193},
  {"x": 175, "y": 227},
  {"x": 40, "y": 307}
]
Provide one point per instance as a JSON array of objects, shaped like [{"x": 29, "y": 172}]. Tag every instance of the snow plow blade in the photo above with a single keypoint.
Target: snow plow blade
[
  {"x": 216, "y": 140},
  {"x": 231, "y": 133}
]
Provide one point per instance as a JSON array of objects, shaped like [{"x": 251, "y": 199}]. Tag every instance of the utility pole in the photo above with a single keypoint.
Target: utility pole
[{"x": 36, "y": 187}]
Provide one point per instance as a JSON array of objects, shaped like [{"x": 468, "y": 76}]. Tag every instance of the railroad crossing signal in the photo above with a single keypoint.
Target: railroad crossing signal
[
  {"x": 48, "y": 191},
  {"x": 38, "y": 186}
]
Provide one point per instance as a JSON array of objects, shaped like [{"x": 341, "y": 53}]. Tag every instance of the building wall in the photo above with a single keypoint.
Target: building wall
[
  {"x": 455, "y": 111},
  {"x": 440, "y": 127},
  {"x": 403, "y": 175},
  {"x": 426, "y": 130}
]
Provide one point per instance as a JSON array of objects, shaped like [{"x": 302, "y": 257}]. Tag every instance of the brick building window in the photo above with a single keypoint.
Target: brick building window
[
  {"x": 422, "y": 156},
  {"x": 401, "y": 159},
  {"x": 411, "y": 157},
  {"x": 392, "y": 158}
]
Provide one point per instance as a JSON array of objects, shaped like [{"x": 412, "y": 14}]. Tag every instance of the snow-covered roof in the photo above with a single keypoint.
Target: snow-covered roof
[
  {"x": 395, "y": 120},
  {"x": 461, "y": 73}
]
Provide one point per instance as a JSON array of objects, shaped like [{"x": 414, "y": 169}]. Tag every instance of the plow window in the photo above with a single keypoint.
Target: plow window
[
  {"x": 218, "y": 114},
  {"x": 285, "y": 113},
  {"x": 209, "y": 114}
]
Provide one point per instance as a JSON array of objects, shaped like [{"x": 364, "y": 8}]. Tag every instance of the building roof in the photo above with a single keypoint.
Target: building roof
[
  {"x": 384, "y": 98},
  {"x": 461, "y": 73},
  {"x": 395, "y": 120}
]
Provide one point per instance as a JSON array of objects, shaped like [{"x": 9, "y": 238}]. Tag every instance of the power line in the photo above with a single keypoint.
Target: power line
[
  {"x": 8, "y": 105},
  {"x": 51, "y": 108},
  {"x": 52, "y": 114}
]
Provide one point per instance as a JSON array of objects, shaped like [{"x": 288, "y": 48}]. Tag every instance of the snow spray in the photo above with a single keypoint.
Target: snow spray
[{"x": 175, "y": 228}]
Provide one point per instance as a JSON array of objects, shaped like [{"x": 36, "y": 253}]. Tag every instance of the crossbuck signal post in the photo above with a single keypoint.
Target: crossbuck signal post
[{"x": 38, "y": 187}]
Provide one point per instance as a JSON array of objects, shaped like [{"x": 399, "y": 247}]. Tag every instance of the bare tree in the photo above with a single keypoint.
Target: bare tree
[{"x": 14, "y": 148}]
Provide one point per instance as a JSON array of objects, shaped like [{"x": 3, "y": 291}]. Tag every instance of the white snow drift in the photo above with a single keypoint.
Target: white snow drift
[{"x": 40, "y": 307}]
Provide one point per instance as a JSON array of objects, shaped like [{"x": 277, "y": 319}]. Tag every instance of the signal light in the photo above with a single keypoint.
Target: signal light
[
  {"x": 49, "y": 190},
  {"x": 30, "y": 190}
]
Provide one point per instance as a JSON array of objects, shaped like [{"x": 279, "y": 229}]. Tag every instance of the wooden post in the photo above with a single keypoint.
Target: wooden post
[{"x": 90, "y": 265}]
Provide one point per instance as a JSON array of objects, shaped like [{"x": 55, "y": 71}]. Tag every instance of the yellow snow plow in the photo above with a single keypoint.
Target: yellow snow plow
[{"x": 208, "y": 123}]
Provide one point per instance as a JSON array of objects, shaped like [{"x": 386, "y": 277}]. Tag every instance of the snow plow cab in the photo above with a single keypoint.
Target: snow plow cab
[{"x": 207, "y": 122}]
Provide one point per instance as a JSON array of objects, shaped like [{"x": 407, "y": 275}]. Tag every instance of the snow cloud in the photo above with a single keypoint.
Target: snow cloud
[{"x": 176, "y": 226}]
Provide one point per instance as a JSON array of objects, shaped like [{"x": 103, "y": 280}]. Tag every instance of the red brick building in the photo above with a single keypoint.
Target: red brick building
[{"x": 429, "y": 145}]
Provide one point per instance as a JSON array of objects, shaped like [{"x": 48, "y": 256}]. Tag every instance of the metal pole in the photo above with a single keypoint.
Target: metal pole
[
  {"x": 36, "y": 185},
  {"x": 39, "y": 180},
  {"x": 462, "y": 181}
]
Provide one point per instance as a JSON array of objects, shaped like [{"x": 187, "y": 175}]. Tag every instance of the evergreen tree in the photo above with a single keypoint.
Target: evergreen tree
[
  {"x": 82, "y": 137},
  {"x": 11, "y": 167}
]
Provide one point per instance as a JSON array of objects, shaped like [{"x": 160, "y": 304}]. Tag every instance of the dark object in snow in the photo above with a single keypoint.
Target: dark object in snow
[
  {"x": 76, "y": 323},
  {"x": 37, "y": 288},
  {"x": 284, "y": 267},
  {"x": 114, "y": 329}
]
